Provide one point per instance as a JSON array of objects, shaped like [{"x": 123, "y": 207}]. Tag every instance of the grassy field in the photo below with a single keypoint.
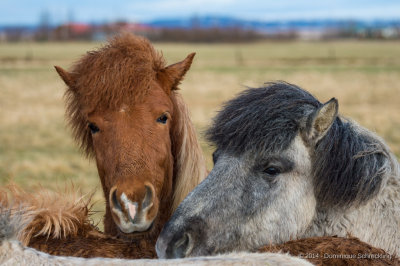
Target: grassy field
[{"x": 36, "y": 147}]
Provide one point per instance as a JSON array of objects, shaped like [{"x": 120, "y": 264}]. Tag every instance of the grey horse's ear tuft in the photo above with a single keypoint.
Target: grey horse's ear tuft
[
  {"x": 321, "y": 120},
  {"x": 65, "y": 76}
]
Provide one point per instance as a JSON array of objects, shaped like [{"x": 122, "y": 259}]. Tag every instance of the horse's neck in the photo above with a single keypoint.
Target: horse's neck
[
  {"x": 377, "y": 222},
  {"x": 110, "y": 228}
]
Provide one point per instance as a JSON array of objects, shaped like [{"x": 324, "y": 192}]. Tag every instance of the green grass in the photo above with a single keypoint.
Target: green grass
[{"x": 36, "y": 146}]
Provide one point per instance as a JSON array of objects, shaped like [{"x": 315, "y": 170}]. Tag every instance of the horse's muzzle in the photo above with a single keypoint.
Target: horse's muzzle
[{"x": 132, "y": 216}]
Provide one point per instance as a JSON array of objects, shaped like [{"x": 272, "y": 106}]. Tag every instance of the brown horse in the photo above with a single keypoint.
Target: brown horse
[{"x": 125, "y": 111}]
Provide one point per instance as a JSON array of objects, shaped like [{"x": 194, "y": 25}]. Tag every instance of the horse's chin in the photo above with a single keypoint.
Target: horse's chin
[{"x": 135, "y": 234}]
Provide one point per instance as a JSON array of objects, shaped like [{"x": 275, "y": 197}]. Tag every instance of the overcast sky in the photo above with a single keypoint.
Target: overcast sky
[{"x": 29, "y": 11}]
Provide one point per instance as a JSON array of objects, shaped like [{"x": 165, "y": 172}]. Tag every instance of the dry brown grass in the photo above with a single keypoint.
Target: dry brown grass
[{"x": 36, "y": 147}]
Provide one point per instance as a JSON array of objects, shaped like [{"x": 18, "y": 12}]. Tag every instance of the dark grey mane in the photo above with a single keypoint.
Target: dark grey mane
[
  {"x": 348, "y": 164},
  {"x": 264, "y": 118}
]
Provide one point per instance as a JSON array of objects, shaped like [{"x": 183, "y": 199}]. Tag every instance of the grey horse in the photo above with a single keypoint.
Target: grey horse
[{"x": 287, "y": 167}]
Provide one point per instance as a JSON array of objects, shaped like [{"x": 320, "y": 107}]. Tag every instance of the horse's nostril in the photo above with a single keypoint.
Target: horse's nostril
[
  {"x": 147, "y": 202},
  {"x": 115, "y": 201},
  {"x": 182, "y": 246}
]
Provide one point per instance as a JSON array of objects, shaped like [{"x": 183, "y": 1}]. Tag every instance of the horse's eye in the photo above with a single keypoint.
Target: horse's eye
[
  {"x": 93, "y": 128},
  {"x": 272, "y": 171},
  {"x": 162, "y": 119}
]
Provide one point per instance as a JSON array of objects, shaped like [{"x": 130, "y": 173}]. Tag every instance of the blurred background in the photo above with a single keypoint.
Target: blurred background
[{"x": 344, "y": 49}]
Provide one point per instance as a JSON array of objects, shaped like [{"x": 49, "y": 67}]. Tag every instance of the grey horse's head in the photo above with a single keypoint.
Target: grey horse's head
[{"x": 280, "y": 155}]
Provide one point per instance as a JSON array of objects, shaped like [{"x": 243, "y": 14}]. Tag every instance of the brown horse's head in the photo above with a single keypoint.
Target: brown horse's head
[{"x": 124, "y": 111}]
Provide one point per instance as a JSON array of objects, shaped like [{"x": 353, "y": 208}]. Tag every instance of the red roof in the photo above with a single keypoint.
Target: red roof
[
  {"x": 137, "y": 27},
  {"x": 78, "y": 27}
]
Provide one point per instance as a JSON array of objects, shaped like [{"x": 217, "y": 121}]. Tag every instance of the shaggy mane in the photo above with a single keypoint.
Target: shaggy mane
[
  {"x": 121, "y": 71},
  {"x": 47, "y": 213},
  {"x": 349, "y": 165},
  {"x": 265, "y": 118},
  {"x": 190, "y": 168}
]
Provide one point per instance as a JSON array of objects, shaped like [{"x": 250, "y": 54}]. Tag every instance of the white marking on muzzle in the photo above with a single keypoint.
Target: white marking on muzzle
[
  {"x": 126, "y": 223},
  {"x": 130, "y": 206}
]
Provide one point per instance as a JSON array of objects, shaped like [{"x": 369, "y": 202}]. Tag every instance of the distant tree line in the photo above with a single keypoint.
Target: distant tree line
[
  {"x": 88, "y": 32},
  {"x": 209, "y": 35}
]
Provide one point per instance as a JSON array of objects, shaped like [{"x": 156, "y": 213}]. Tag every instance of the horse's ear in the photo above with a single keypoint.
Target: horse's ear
[
  {"x": 321, "y": 120},
  {"x": 173, "y": 74},
  {"x": 66, "y": 77}
]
